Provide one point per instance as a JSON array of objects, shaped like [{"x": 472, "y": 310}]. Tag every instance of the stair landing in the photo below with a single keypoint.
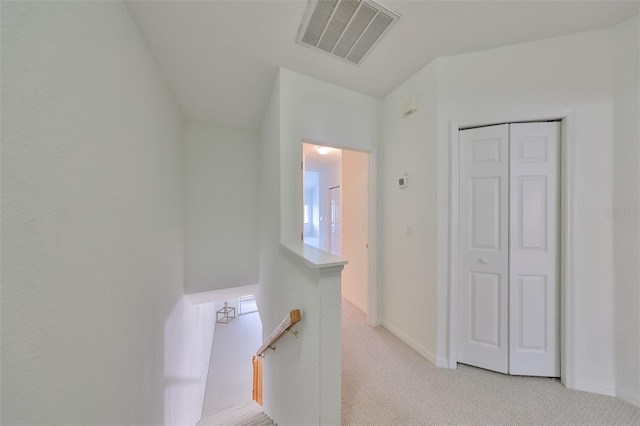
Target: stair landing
[{"x": 246, "y": 415}]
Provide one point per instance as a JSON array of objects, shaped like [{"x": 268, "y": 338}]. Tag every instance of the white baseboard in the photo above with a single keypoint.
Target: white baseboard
[
  {"x": 599, "y": 388},
  {"x": 628, "y": 396},
  {"x": 430, "y": 356},
  {"x": 354, "y": 303},
  {"x": 443, "y": 362}
]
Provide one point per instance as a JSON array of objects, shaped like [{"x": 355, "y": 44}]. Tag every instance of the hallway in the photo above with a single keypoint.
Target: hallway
[{"x": 385, "y": 382}]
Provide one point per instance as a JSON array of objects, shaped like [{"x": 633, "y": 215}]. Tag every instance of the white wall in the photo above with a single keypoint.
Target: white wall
[
  {"x": 230, "y": 381},
  {"x": 310, "y": 195},
  {"x": 94, "y": 321},
  {"x": 320, "y": 112},
  {"x": 409, "y": 222},
  {"x": 510, "y": 83},
  {"x": 355, "y": 228},
  {"x": 284, "y": 285},
  {"x": 269, "y": 237},
  {"x": 312, "y": 200},
  {"x": 221, "y": 207},
  {"x": 626, "y": 202},
  {"x": 566, "y": 74},
  {"x": 302, "y": 377}
]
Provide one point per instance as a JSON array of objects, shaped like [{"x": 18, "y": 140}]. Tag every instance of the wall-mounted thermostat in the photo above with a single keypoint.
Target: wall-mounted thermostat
[{"x": 403, "y": 181}]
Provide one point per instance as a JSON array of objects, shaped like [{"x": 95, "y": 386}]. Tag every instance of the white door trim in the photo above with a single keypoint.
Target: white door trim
[
  {"x": 567, "y": 231},
  {"x": 374, "y": 316}
]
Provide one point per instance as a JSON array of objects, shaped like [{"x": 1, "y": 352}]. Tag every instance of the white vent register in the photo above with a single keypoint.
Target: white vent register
[{"x": 347, "y": 29}]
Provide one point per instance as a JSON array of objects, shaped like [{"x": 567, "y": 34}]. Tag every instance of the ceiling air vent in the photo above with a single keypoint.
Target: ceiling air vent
[{"x": 347, "y": 29}]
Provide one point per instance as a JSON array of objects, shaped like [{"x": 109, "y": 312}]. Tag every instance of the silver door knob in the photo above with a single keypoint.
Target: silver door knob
[{"x": 483, "y": 260}]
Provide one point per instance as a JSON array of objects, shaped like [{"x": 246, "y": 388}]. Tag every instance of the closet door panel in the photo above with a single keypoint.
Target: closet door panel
[
  {"x": 534, "y": 337},
  {"x": 483, "y": 248}
]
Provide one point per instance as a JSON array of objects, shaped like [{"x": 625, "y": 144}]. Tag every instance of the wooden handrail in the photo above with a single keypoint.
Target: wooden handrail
[{"x": 292, "y": 319}]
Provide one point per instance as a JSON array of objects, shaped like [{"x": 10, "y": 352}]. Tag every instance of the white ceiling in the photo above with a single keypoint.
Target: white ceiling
[
  {"x": 220, "y": 58},
  {"x": 316, "y": 162}
]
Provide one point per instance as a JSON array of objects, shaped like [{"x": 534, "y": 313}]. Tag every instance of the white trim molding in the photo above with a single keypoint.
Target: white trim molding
[
  {"x": 568, "y": 190},
  {"x": 567, "y": 237},
  {"x": 626, "y": 395},
  {"x": 454, "y": 147},
  {"x": 430, "y": 356},
  {"x": 374, "y": 313},
  {"x": 598, "y": 388}
]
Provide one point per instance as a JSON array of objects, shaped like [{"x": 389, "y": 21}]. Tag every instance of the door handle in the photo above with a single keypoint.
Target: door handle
[{"x": 483, "y": 260}]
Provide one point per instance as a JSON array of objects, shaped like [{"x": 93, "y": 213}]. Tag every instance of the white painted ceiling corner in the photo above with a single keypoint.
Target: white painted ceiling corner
[{"x": 220, "y": 58}]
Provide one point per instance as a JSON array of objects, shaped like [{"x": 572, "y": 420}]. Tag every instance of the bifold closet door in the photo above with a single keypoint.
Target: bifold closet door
[
  {"x": 483, "y": 276},
  {"x": 534, "y": 292},
  {"x": 508, "y": 288}
]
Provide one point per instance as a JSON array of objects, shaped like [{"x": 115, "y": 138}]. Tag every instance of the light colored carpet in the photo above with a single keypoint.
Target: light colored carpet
[{"x": 385, "y": 382}]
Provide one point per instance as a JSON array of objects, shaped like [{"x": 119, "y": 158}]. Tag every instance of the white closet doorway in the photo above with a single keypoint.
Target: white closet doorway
[{"x": 508, "y": 241}]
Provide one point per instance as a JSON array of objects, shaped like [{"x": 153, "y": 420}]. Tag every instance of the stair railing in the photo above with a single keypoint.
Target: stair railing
[{"x": 292, "y": 319}]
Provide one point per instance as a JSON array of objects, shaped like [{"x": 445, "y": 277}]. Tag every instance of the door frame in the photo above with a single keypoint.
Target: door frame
[
  {"x": 567, "y": 230},
  {"x": 374, "y": 318}
]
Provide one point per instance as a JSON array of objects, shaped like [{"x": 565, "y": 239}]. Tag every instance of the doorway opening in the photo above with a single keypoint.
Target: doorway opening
[{"x": 336, "y": 213}]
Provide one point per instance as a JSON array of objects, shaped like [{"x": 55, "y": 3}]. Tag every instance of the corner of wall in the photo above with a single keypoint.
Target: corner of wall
[
  {"x": 625, "y": 48},
  {"x": 409, "y": 216}
]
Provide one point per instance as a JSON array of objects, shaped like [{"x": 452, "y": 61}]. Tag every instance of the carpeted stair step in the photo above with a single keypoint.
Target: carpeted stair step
[{"x": 246, "y": 415}]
